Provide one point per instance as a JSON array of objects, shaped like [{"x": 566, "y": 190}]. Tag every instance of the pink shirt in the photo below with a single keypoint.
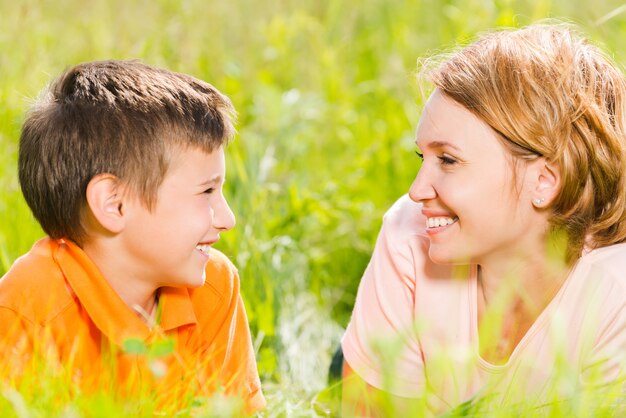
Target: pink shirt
[{"x": 414, "y": 326}]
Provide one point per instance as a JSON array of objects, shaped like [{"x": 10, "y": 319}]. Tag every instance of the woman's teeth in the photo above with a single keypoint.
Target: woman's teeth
[{"x": 440, "y": 221}]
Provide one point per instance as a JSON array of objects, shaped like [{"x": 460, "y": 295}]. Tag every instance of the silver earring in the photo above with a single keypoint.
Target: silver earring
[{"x": 538, "y": 201}]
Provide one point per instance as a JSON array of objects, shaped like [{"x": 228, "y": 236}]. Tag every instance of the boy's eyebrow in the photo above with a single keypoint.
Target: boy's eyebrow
[{"x": 215, "y": 179}]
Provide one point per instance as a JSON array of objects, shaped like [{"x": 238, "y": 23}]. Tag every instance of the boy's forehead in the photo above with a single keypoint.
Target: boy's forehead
[
  {"x": 180, "y": 153},
  {"x": 197, "y": 163}
]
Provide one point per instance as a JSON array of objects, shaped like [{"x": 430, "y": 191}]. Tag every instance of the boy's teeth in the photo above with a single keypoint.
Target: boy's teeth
[
  {"x": 440, "y": 221},
  {"x": 205, "y": 248}
]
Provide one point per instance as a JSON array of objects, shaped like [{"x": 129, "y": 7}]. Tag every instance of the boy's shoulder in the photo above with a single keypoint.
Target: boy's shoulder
[
  {"x": 221, "y": 276},
  {"x": 34, "y": 287},
  {"x": 219, "y": 298}
]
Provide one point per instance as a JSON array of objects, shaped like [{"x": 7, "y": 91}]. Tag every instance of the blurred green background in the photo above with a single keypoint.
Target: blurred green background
[{"x": 327, "y": 104}]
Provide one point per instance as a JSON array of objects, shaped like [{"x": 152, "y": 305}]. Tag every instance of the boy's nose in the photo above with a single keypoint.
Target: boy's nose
[
  {"x": 223, "y": 217},
  {"x": 422, "y": 188}
]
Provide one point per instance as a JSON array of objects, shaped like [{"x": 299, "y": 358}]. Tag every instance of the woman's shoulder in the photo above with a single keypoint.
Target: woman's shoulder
[
  {"x": 405, "y": 218},
  {"x": 403, "y": 233},
  {"x": 609, "y": 256},
  {"x": 607, "y": 263}
]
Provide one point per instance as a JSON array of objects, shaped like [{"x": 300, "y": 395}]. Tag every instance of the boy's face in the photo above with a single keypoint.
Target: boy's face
[{"x": 170, "y": 245}]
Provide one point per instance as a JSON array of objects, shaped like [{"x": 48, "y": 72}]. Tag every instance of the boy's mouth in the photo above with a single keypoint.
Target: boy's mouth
[
  {"x": 440, "y": 221},
  {"x": 204, "y": 248}
]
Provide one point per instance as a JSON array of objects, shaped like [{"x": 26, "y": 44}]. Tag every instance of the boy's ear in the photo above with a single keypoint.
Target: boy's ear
[
  {"x": 547, "y": 183},
  {"x": 105, "y": 200}
]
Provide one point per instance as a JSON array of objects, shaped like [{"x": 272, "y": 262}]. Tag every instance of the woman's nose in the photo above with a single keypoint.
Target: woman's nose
[{"x": 422, "y": 188}]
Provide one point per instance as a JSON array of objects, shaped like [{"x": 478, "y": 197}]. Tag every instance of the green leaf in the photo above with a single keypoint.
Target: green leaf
[
  {"x": 134, "y": 346},
  {"x": 162, "y": 348}
]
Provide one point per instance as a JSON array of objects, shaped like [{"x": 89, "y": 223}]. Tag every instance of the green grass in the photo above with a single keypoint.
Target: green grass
[{"x": 327, "y": 108}]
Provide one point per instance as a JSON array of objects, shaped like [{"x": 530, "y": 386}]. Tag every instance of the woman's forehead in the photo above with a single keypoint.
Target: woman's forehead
[{"x": 444, "y": 123}]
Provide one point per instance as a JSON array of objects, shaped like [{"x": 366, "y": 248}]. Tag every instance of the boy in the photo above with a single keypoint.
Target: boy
[{"x": 122, "y": 164}]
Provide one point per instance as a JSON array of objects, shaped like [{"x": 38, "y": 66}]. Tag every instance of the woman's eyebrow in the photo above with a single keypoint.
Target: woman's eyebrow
[{"x": 437, "y": 144}]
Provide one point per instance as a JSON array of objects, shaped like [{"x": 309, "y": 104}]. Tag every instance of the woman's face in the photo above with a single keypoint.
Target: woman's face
[{"x": 477, "y": 207}]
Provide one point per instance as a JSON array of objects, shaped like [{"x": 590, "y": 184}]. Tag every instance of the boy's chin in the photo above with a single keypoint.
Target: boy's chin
[
  {"x": 190, "y": 280},
  {"x": 201, "y": 280}
]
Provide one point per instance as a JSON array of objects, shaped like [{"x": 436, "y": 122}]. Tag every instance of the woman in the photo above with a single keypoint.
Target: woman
[{"x": 500, "y": 280}]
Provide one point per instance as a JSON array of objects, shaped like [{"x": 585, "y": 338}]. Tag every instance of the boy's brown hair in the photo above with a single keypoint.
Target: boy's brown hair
[{"x": 117, "y": 117}]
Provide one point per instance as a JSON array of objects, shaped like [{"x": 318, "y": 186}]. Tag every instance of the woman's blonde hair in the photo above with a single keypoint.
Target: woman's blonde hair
[{"x": 549, "y": 93}]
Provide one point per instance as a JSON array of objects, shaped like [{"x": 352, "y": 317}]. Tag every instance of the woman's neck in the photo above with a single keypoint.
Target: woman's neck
[
  {"x": 512, "y": 293},
  {"x": 533, "y": 277}
]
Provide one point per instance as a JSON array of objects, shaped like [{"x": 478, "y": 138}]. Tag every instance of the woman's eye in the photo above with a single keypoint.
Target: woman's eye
[
  {"x": 446, "y": 160},
  {"x": 209, "y": 190},
  {"x": 421, "y": 156}
]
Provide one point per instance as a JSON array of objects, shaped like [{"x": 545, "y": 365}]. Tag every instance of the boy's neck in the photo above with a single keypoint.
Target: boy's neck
[
  {"x": 140, "y": 296},
  {"x": 149, "y": 312}
]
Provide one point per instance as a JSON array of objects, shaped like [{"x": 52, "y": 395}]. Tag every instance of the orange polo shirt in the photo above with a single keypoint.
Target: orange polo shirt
[{"x": 57, "y": 310}]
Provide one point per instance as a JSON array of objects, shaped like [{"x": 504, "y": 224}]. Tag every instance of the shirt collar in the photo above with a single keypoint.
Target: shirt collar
[{"x": 106, "y": 309}]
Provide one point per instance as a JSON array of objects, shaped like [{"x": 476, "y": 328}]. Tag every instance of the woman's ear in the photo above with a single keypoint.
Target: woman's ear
[
  {"x": 105, "y": 201},
  {"x": 547, "y": 183}
]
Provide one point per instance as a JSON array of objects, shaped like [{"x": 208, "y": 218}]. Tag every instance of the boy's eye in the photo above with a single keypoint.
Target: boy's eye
[
  {"x": 209, "y": 190},
  {"x": 446, "y": 159},
  {"x": 421, "y": 156}
]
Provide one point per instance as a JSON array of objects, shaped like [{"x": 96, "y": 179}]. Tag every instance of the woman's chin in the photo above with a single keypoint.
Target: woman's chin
[{"x": 439, "y": 255}]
